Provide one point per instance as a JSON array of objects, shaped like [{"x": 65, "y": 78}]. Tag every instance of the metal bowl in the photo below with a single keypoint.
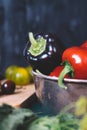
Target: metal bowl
[{"x": 52, "y": 97}]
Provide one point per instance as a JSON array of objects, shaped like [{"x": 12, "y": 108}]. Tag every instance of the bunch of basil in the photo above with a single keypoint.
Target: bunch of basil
[{"x": 24, "y": 119}]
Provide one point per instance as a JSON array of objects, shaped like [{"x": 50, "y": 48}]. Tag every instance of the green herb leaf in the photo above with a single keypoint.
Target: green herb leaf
[{"x": 12, "y": 118}]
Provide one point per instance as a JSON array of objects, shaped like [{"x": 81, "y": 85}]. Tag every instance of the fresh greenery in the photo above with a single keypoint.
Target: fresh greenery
[
  {"x": 15, "y": 119},
  {"x": 24, "y": 119},
  {"x": 60, "y": 122}
]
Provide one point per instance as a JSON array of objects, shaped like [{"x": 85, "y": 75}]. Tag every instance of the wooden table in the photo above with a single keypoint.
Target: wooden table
[{"x": 19, "y": 96}]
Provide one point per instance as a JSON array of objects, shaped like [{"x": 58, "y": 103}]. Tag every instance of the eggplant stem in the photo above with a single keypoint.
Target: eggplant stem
[
  {"x": 38, "y": 46},
  {"x": 68, "y": 69},
  {"x": 32, "y": 39}
]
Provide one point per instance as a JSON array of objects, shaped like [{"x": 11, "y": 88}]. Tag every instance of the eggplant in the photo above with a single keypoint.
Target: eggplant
[{"x": 43, "y": 51}]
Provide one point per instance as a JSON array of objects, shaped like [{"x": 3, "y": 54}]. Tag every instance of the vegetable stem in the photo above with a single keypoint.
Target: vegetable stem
[
  {"x": 38, "y": 45},
  {"x": 68, "y": 69},
  {"x": 32, "y": 39}
]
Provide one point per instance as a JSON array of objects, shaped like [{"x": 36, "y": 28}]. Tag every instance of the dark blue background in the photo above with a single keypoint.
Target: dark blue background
[{"x": 66, "y": 18}]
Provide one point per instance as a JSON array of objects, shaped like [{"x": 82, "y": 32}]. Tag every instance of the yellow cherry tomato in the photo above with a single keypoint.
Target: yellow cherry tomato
[
  {"x": 29, "y": 69},
  {"x": 21, "y": 76},
  {"x": 9, "y": 71}
]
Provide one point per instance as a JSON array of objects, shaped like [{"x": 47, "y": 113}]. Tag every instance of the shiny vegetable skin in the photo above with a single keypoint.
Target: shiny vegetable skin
[
  {"x": 47, "y": 52},
  {"x": 74, "y": 60},
  {"x": 77, "y": 57},
  {"x": 8, "y": 87},
  {"x": 56, "y": 72},
  {"x": 84, "y": 45}
]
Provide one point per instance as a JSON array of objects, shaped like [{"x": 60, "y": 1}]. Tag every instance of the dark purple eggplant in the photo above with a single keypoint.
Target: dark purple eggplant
[{"x": 43, "y": 52}]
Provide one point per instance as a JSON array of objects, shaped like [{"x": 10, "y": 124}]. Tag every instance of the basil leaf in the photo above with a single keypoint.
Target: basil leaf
[{"x": 13, "y": 118}]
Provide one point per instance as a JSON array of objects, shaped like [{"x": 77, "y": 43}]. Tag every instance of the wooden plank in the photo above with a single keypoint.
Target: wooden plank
[{"x": 19, "y": 96}]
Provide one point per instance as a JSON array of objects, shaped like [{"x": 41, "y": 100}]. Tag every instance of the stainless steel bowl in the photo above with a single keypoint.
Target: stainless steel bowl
[{"x": 52, "y": 97}]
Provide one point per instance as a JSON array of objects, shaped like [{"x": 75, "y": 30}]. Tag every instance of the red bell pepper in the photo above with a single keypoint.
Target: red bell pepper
[
  {"x": 74, "y": 60},
  {"x": 56, "y": 72},
  {"x": 84, "y": 45}
]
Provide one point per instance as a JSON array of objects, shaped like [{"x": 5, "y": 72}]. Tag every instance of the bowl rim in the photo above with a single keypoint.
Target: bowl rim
[{"x": 40, "y": 75}]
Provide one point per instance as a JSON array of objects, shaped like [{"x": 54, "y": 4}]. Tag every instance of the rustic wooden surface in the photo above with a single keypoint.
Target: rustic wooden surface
[{"x": 19, "y": 96}]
